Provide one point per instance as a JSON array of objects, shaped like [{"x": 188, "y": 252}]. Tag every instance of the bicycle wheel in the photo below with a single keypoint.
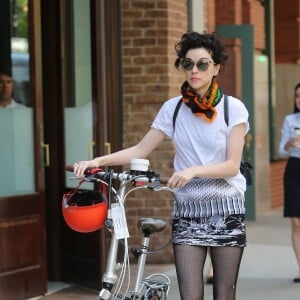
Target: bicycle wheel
[
  {"x": 154, "y": 294},
  {"x": 153, "y": 297}
]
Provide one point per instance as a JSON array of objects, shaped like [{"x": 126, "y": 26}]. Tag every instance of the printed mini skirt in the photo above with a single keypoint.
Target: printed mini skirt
[
  {"x": 212, "y": 231},
  {"x": 209, "y": 212}
]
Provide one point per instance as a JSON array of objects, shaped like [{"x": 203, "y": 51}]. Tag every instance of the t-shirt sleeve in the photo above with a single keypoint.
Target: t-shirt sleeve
[
  {"x": 164, "y": 118},
  {"x": 238, "y": 114},
  {"x": 285, "y": 136}
]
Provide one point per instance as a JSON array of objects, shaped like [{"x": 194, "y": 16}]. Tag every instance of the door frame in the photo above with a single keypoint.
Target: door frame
[
  {"x": 23, "y": 216},
  {"x": 246, "y": 34},
  {"x": 106, "y": 102}
]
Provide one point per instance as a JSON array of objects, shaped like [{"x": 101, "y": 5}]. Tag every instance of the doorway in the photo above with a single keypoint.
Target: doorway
[
  {"x": 22, "y": 190},
  {"x": 68, "y": 96},
  {"x": 82, "y": 89}
]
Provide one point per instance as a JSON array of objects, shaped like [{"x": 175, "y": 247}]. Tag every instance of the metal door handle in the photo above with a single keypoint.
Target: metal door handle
[
  {"x": 91, "y": 150},
  {"x": 46, "y": 154},
  {"x": 108, "y": 147}
]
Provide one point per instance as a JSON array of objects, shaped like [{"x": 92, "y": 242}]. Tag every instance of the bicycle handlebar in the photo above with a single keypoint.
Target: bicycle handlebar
[{"x": 93, "y": 174}]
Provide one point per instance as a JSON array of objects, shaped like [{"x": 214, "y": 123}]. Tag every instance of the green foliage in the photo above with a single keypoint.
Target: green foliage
[{"x": 19, "y": 18}]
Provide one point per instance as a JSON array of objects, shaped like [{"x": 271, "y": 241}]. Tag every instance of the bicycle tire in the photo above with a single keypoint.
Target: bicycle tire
[
  {"x": 155, "y": 294},
  {"x": 152, "y": 297}
]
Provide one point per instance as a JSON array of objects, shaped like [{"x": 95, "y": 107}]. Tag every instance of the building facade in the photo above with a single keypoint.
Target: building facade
[{"x": 95, "y": 74}]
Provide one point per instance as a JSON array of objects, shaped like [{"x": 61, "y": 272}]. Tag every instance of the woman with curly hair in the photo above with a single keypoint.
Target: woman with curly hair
[{"x": 209, "y": 210}]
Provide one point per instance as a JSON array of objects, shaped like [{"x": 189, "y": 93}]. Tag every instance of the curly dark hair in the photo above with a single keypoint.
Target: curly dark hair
[{"x": 210, "y": 42}]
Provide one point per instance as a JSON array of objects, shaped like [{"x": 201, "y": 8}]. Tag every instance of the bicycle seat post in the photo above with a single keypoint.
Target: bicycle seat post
[
  {"x": 148, "y": 226},
  {"x": 141, "y": 263}
]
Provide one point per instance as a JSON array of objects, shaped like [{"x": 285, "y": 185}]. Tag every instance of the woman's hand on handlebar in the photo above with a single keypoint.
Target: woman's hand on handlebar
[
  {"x": 80, "y": 167},
  {"x": 181, "y": 178}
]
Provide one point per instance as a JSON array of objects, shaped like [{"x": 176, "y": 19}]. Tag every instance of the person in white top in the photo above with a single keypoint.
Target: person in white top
[
  {"x": 209, "y": 211},
  {"x": 289, "y": 147},
  {"x": 6, "y": 92}
]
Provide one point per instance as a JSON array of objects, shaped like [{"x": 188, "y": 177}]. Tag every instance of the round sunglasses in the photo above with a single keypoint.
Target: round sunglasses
[{"x": 202, "y": 64}]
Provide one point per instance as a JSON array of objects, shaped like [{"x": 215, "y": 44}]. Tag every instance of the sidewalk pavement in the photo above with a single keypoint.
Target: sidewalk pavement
[{"x": 267, "y": 269}]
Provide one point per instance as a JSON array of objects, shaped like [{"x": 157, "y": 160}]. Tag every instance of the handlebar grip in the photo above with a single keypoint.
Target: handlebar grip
[
  {"x": 88, "y": 171},
  {"x": 92, "y": 171}
]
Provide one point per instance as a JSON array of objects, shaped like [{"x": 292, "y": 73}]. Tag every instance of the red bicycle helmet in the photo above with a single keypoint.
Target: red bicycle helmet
[{"x": 84, "y": 211}]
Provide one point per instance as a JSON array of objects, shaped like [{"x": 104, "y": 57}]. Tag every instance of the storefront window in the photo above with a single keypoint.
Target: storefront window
[
  {"x": 16, "y": 115},
  {"x": 78, "y": 110}
]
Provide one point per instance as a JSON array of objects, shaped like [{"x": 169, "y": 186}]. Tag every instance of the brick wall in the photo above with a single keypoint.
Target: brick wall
[
  {"x": 237, "y": 12},
  {"x": 287, "y": 31},
  {"x": 254, "y": 13},
  {"x": 276, "y": 183},
  {"x": 210, "y": 22},
  {"x": 150, "y": 30}
]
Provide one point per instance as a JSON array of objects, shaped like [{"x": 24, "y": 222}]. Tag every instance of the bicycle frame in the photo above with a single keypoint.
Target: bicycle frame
[{"x": 144, "y": 288}]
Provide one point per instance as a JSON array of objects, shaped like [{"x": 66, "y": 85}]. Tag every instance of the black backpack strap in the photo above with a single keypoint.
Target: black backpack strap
[
  {"x": 176, "y": 112},
  {"x": 226, "y": 109}
]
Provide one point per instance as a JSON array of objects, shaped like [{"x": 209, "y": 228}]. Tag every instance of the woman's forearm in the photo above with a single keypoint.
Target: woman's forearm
[
  {"x": 141, "y": 150},
  {"x": 119, "y": 158}
]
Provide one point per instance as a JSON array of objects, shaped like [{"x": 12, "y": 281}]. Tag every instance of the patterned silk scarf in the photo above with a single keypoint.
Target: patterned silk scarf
[{"x": 205, "y": 106}]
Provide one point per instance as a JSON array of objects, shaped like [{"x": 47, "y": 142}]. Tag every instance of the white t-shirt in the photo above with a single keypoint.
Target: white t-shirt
[
  {"x": 14, "y": 104},
  {"x": 290, "y": 123},
  {"x": 198, "y": 142}
]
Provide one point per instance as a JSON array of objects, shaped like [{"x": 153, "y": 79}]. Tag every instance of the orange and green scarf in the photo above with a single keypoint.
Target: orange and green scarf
[{"x": 205, "y": 106}]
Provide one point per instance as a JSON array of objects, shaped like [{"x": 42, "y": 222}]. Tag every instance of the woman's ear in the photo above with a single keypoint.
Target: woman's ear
[{"x": 217, "y": 69}]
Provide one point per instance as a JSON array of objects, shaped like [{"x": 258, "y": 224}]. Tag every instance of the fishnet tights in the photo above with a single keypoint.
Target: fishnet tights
[{"x": 190, "y": 261}]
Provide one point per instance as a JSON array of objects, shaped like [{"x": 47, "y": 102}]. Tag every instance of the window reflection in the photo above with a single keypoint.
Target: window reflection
[
  {"x": 20, "y": 71},
  {"x": 14, "y": 50},
  {"x": 19, "y": 50},
  {"x": 78, "y": 109},
  {"x": 16, "y": 123}
]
